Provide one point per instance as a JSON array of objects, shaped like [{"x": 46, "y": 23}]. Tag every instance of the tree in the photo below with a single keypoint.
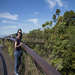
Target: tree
[
  {"x": 54, "y": 18},
  {"x": 43, "y": 25},
  {"x": 58, "y": 12},
  {"x": 60, "y": 43},
  {"x": 50, "y": 23}
]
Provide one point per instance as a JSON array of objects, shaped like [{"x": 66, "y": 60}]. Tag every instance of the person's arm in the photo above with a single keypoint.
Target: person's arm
[{"x": 17, "y": 45}]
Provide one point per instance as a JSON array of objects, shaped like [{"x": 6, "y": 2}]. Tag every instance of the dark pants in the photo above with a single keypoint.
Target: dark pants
[{"x": 17, "y": 55}]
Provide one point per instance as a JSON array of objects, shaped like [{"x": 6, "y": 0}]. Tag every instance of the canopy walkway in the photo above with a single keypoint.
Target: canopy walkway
[{"x": 46, "y": 68}]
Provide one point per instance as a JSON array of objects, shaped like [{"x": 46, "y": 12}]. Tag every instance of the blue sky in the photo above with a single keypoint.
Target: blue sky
[{"x": 29, "y": 14}]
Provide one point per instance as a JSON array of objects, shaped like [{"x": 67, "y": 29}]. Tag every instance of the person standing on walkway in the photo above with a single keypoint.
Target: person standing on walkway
[{"x": 18, "y": 52}]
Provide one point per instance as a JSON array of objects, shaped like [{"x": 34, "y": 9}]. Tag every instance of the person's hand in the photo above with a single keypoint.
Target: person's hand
[{"x": 21, "y": 44}]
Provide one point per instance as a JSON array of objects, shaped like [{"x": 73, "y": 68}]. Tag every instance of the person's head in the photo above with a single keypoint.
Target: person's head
[
  {"x": 18, "y": 35},
  {"x": 19, "y": 30}
]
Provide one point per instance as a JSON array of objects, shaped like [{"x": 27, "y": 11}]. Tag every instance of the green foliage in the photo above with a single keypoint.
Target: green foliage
[
  {"x": 59, "y": 44},
  {"x": 47, "y": 24},
  {"x": 54, "y": 18},
  {"x": 9, "y": 46},
  {"x": 58, "y": 12},
  {"x": 1, "y": 42}
]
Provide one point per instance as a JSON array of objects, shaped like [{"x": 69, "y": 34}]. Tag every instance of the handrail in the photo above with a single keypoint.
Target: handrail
[
  {"x": 47, "y": 68},
  {"x": 3, "y": 64}
]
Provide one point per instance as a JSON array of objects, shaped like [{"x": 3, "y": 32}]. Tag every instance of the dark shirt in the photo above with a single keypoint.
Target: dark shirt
[
  {"x": 21, "y": 36},
  {"x": 18, "y": 42}
]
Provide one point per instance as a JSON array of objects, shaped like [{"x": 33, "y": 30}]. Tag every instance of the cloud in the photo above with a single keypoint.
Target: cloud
[
  {"x": 7, "y": 30},
  {"x": 33, "y": 20},
  {"x": 53, "y": 3},
  {"x": 36, "y": 13},
  {"x": 59, "y": 3},
  {"x": 8, "y": 15},
  {"x": 8, "y": 21},
  {"x": 8, "y": 27}
]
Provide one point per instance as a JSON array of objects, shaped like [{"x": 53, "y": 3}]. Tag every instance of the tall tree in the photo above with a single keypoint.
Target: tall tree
[{"x": 58, "y": 12}]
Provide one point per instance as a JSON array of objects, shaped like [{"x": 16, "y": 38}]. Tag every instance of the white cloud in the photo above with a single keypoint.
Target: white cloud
[
  {"x": 8, "y": 27},
  {"x": 59, "y": 3},
  {"x": 53, "y": 3},
  {"x": 33, "y": 20},
  {"x": 36, "y": 13},
  {"x": 8, "y": 21},
  {"x": 8, "y": 15},
  {"x": 7, "y": 30}
]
